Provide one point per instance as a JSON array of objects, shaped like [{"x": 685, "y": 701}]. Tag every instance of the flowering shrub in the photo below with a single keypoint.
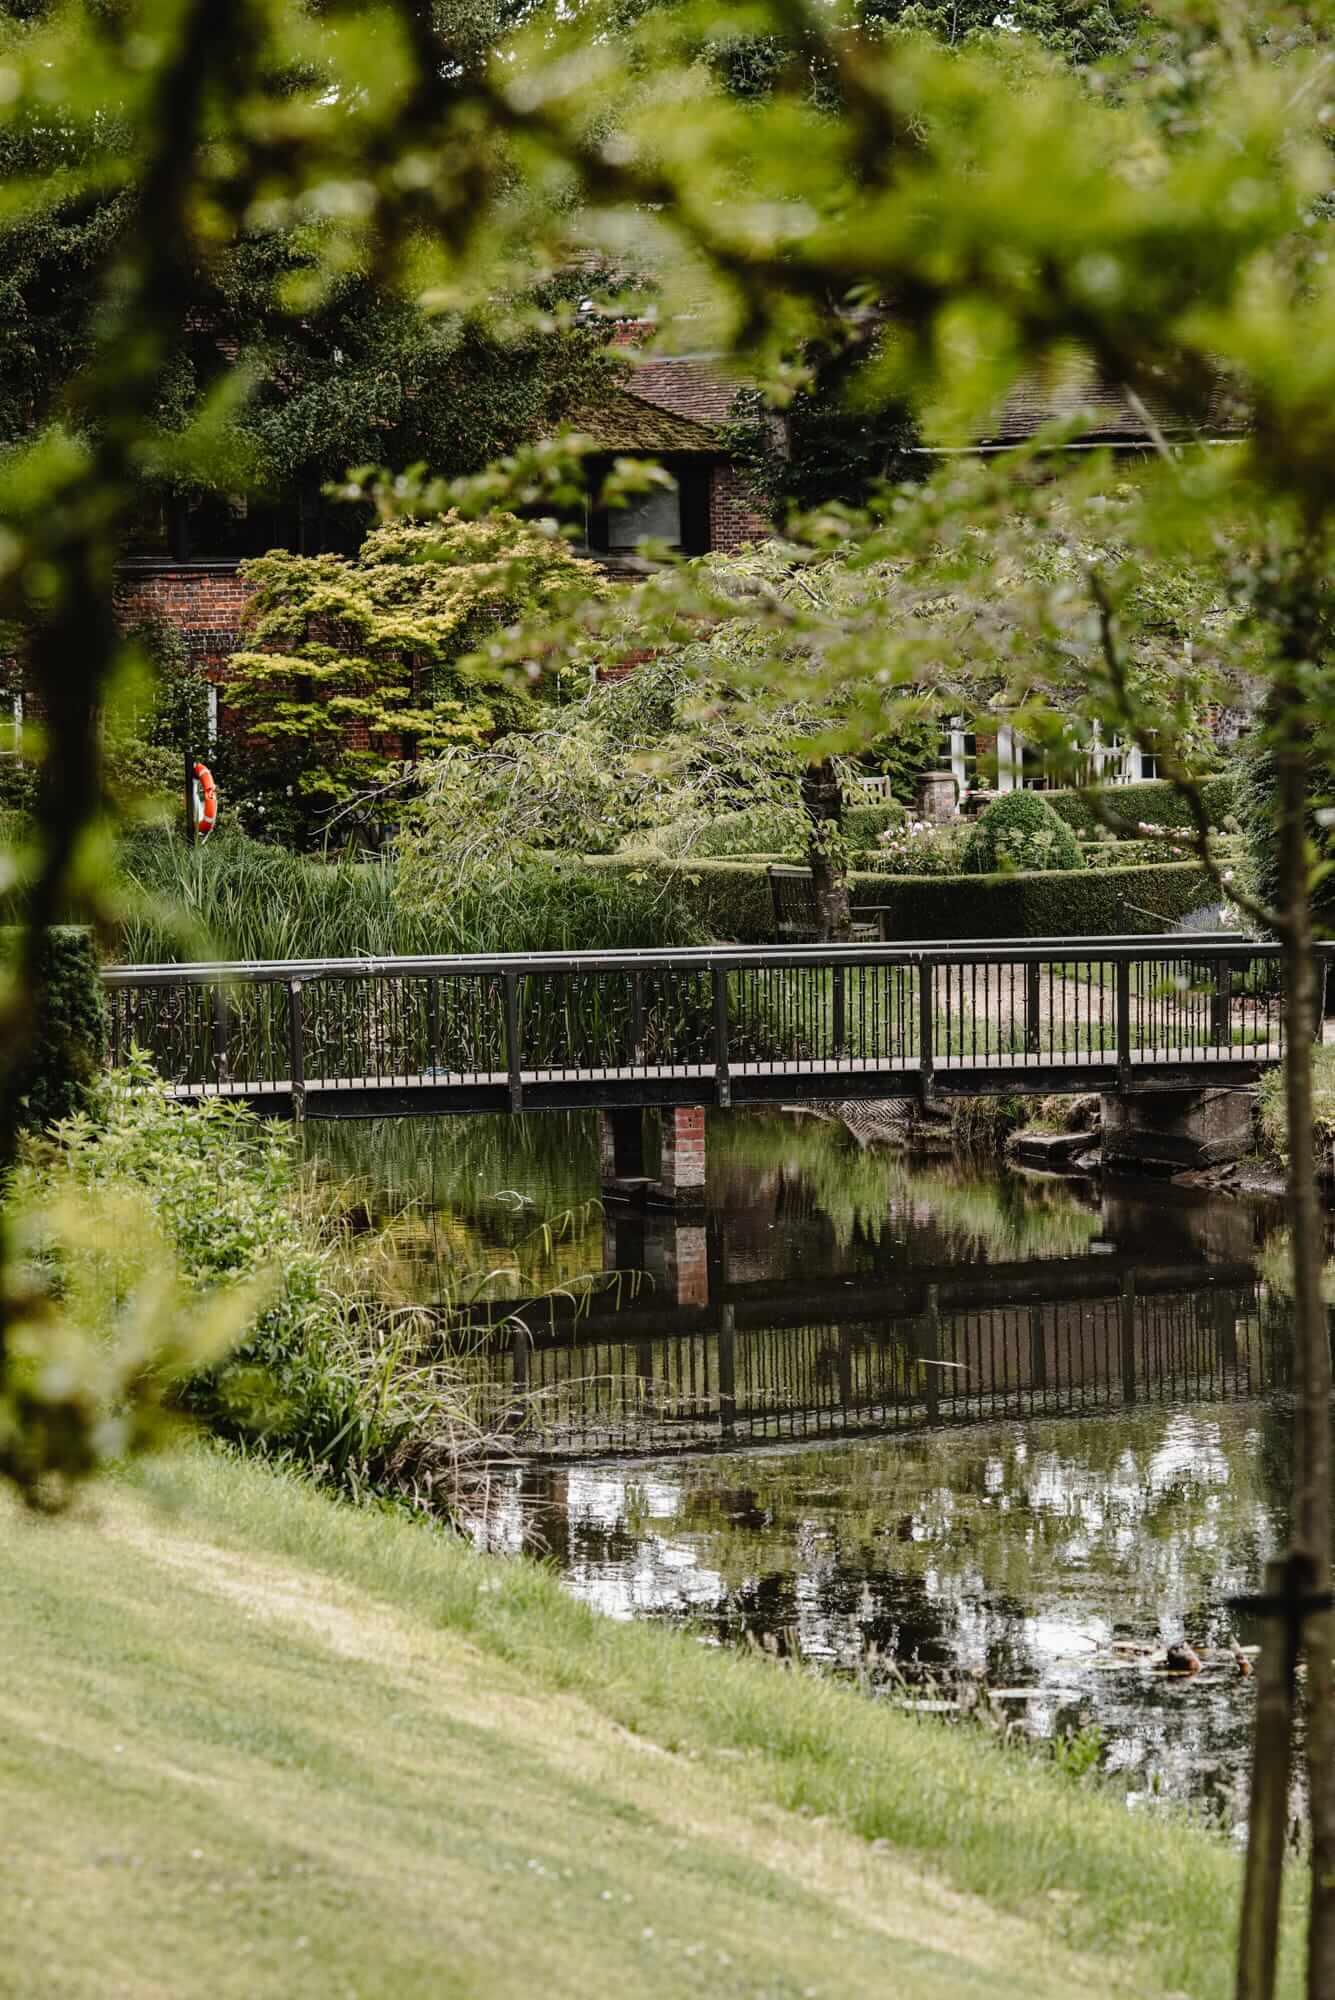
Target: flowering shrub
[
  {"x": 1152, "y": 843},
  {"x": 918, "y": 848}
]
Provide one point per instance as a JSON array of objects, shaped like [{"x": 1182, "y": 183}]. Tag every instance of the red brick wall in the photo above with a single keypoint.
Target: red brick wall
[
  {"x": 682, "y": 1170},
  {"x": 202, "y": 601},
  {"x": 735, "y": 516},
  {"x": 620, "y": 670}
]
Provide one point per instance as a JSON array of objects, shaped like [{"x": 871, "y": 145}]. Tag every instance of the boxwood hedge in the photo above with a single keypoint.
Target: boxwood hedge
[
  {"x": 1021, "y": 831},
  {"x": 1155, "y": 803},
  {"x": 1087, "y": 902},
  {"x": 863, "y": 825},
  {"x": 732, "y": 899}
]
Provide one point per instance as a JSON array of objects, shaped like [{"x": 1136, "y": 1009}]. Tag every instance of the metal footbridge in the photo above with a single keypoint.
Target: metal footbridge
[{"x": 721, "y": 1026}]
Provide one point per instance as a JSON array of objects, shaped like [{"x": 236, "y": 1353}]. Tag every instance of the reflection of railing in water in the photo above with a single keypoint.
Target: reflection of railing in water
[{"x": 769, "y": 1385}]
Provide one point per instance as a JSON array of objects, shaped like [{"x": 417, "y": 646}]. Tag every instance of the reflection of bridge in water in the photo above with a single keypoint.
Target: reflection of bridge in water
[{"x": 690, "y": 1361}]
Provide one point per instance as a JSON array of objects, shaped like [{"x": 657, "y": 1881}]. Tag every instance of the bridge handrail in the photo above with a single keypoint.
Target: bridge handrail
[{"x": 708, "y": 958}]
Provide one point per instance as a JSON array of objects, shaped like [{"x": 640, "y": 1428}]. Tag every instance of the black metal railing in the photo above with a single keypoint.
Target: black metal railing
[{"x": 716, "y": 1025}]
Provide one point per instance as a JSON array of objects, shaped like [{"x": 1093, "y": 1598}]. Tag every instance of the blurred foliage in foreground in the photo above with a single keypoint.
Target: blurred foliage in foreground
[{"x": 989, "y": 203}]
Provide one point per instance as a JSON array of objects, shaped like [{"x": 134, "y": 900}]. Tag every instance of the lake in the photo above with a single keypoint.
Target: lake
[{"x": 972, "y": 1438}]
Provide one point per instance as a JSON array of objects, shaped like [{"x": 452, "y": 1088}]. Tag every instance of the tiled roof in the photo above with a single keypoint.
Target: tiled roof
[
  {"x": 620, "y": 421},
  {"x": 691, "y": 386},
  {"x": 1039, "y": 398}
]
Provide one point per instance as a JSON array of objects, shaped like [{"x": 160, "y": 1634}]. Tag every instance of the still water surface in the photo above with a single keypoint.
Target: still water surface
[{"x": 941, "y": 1430}]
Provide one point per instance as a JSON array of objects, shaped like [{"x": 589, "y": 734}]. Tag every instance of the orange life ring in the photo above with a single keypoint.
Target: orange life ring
[{"x": 206, "y": 800}]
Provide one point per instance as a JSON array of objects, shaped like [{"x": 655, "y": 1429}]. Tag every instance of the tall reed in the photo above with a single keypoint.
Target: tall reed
[{"x": 237, "y": 898}]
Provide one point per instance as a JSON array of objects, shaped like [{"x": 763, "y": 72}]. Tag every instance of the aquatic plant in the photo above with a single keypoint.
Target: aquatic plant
[{"x": 239, "y": 898}]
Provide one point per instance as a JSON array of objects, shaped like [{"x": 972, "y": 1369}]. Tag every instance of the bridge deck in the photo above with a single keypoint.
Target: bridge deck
[
  {"x": 1051, "y": 1073},
  {"x": 720, "y": 1026}
]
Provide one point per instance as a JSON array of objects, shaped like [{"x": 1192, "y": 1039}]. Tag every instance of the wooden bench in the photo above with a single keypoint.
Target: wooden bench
[{"x": 794, "y": 900}]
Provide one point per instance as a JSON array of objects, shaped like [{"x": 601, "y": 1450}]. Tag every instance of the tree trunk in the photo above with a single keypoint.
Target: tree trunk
[
  {"x": 1311, "y": 1500},
  {"x": 823, "y": 803}
]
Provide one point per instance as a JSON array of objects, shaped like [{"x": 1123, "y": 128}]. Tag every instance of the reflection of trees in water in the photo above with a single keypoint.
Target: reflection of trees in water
[
  {"x": 817, "y": 1169},
  {"x": 767, "y": 1165},
  {"x": 799, "y": 1168},
  {"x": 492, "y": 1193},
  {"x": 1017, "y": 1554},
  {"x": 463, "y": 1163},
  {"x": 514, "y": 1201},
  {"x": 834, "y": 1612}
]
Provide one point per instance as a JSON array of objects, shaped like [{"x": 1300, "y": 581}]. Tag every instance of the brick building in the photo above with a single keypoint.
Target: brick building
[{"x": 669, "y": 410}]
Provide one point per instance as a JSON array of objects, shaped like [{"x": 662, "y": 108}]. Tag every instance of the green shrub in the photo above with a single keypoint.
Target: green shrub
[
  {"x": 1153, "y": 803},
  {"x": 1227, "y": 848},
  {"x": 1273, "y": 1117},
  {"x": 1257, "y": 799},
  {"x": 864, "y": 825},
  {"x": 1089, "y": 902},
  {"x": 71, "y": 1024},
  {"x": 1020, "y": 831},
  {"x": 321, "y": 1357},
  {"x": 903, "y": 756}
]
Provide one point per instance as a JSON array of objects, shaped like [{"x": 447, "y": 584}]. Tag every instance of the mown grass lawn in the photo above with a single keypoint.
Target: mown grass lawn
[{"x": 256, "y": 1742}]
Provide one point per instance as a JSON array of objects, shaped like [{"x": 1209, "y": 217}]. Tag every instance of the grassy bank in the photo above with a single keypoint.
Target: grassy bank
[{"x": 264, "y": 1743}]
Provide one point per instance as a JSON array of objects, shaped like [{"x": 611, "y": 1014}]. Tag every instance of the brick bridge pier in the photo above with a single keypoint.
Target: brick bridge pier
[{"x": 625, "y": 1158}]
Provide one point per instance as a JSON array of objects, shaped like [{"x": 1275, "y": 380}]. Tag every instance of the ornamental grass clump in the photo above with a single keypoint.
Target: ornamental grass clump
[{"x": 1020, "y": 834}]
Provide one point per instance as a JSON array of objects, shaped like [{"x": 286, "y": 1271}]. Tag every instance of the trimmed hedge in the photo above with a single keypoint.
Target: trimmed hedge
[
  {"x": 71, "y": 1024},
  {"x": 863, "y": 825},
  {"x": 1087, "y": 902},
  {"x": 732, "y": 899},
  {"x": 1155, "y": 803}
]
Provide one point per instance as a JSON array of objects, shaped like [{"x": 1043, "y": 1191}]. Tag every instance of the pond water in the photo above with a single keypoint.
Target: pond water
[{"x": 963, "y": 1435}]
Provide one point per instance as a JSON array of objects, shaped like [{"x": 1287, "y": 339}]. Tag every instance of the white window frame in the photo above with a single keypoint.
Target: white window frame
[
  {"x": 959, "y": 762},
  {"x": 1114, "y": 763},
  {"x": 1010, "y": 754}
]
